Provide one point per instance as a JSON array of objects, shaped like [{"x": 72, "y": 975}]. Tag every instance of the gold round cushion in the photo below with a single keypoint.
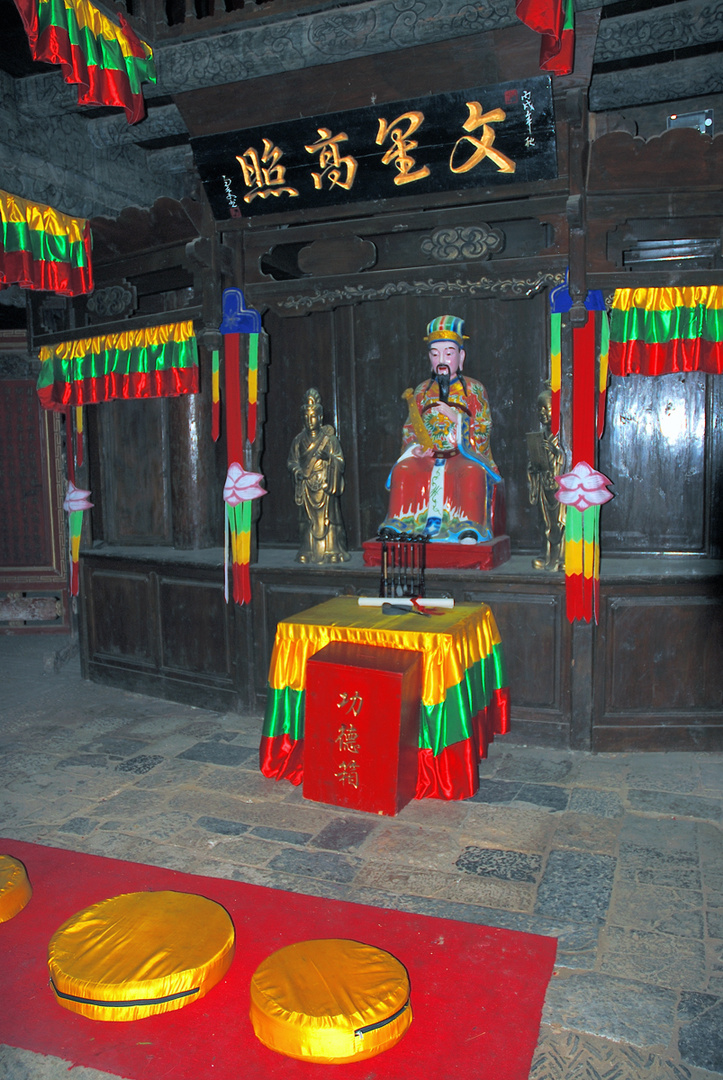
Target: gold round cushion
[
  {"x": 15, "y": 889},
  {"x": 330, "y": 1001},
  {"x": 140, "y": 954}
]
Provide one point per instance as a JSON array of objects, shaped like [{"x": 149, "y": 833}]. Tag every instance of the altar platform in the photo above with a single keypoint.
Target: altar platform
[{"x": 464, "y": 694}]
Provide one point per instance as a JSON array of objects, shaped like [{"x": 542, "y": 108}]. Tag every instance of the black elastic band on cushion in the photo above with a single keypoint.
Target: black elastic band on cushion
[
  {"x": 382, "y": 1023},
  {"x": 124, "y": 1004}
]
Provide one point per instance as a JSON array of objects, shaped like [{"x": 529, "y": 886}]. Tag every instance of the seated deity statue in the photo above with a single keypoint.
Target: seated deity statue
[{"x": 445, "y": 483}]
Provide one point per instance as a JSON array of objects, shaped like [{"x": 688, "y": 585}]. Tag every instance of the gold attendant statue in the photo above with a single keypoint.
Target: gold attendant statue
[
  {"x": 546, "y": 462},
  {"x": 316, "y": 462}
]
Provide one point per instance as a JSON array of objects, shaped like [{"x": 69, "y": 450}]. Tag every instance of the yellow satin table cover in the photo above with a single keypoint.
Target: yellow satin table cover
[
  {"x": 15, "y": 889},
  {"x": 140, "y": 954},
  {"x": 330, "y": 1001}
]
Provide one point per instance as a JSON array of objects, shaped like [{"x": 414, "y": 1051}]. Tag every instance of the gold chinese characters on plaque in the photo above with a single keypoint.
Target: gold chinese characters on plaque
[
  {"x": 485, "y": 135},
  {"x": 347, "y": 741}
]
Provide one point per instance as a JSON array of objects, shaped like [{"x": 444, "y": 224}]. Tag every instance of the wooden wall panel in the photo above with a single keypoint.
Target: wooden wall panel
[
  {"x": 536, "y": 639},
  {"x": 194, "y": 628},
  {"x": 654, "y": 451},
  {"x": 33, "y": 543},
  {"x": 135, "y": 473},
  {"x": 659, "y": 671},
  {"x": 163, "y": 629},
  {"x": 122, "y": 623}
]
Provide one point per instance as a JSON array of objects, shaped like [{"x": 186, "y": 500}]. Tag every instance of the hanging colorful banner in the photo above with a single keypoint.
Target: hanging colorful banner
[
  {"x": 582, "y": 490},
  {"x": 76, "y": 501},
  {"x": 108, "y": 62},
  {"x": 662, "y": 331},
  {"x": 241, "y": 486},
  {"x": 43, "y": 249},
  {"x": 560, "y": 304},
  {"x": 159, "y": 361},
  {"x": 555, "y": 21}
]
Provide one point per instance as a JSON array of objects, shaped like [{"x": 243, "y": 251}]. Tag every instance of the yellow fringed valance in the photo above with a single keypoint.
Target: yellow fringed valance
[{"x": 450, "y": 644}]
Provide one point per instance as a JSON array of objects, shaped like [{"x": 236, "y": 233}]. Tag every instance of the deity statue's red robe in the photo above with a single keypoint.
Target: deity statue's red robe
[{"x": 453, "y": 494}]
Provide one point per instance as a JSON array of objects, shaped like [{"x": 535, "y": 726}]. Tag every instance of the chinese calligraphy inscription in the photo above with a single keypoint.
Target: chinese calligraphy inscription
[
  {"x": 398, "y": 154},
  {"x": 490, "y": 135},
  {"x": 347, "y": 740},
  {"x": 482, "y": 147},
  {"x": 331, "y": 162},
  {"x": 263, "y": 174},
  {"x": 350, "y": 702}
]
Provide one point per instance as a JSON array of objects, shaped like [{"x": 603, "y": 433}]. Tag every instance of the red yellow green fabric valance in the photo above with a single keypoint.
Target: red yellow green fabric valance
[
  {"x": 661, "y": 331},
  {"x": 108, "y": 62},
  {"x": 42, "y": 249},
  {"x": 160, "y": 361}
]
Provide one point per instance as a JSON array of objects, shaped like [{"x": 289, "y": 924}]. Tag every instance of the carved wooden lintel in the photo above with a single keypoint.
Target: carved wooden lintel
[{"x": 317, "y": 298}]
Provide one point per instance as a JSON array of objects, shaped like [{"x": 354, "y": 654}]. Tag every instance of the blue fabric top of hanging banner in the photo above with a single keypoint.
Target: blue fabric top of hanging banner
[
  {"x": 561, "y": 301},
  {"x": 237, "y": 318}
]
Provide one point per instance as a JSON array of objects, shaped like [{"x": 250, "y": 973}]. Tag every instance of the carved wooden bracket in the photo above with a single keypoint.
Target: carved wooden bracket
[
  {"x": 114, "y": 302},
  {"x": 463, "y": 243}
]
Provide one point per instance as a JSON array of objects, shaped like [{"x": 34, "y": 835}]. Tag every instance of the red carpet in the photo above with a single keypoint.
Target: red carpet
[{"x": 477, "y": 992}]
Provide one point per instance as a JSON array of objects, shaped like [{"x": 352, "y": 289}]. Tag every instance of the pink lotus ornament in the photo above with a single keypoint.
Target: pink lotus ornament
[
  {"x": 241, "y": 486},
  {"x": 583, "y": 487},
  {"x": 76, "y": 499}
]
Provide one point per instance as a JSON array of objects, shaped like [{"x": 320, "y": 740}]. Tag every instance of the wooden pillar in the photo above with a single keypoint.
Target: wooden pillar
[{"x": 193, "y": 479}]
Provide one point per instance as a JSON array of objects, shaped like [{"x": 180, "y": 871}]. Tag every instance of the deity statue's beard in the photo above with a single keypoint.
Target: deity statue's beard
[{"x": 443, "y": 379}]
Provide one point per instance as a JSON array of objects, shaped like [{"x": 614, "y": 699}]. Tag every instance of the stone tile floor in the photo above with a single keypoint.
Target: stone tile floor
[{"x": 619, "y": 856}]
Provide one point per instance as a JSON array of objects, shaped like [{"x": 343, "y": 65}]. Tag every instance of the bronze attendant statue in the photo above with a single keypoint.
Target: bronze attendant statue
[
  {"x": 316, "y": 462},
  {"x": 546, "y": 462}
]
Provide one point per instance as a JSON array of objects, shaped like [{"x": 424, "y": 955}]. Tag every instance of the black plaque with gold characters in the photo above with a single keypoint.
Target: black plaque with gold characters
[{"x": 502, "y": 134}]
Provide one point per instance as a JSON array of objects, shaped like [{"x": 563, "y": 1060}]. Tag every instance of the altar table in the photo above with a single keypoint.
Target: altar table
[{"x": 465, "y": 698}]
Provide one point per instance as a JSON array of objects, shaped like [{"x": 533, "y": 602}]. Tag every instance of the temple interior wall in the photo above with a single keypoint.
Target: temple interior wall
[{"x": 345, "y": 297}]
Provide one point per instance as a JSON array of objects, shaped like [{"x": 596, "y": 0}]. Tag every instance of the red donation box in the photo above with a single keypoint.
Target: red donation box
[{"x": 361, "y": 728}]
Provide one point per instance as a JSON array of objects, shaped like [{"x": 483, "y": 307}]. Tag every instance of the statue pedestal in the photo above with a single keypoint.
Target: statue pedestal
[{"x": 458, "y": 556}]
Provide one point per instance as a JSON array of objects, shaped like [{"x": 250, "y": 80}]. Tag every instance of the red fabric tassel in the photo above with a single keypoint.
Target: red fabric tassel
[
  {"x": 573, "y": 596},
  {"x": 583, "y": 392},
  {"x": 282, "y": 758},
  {"x": 452, "y": 774},
  {"x": 499, "y": 708},
  {"x": 555, "y": 418},
  {"x": 557, "y": 55},
  {"x": 234, "y": 419}
]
